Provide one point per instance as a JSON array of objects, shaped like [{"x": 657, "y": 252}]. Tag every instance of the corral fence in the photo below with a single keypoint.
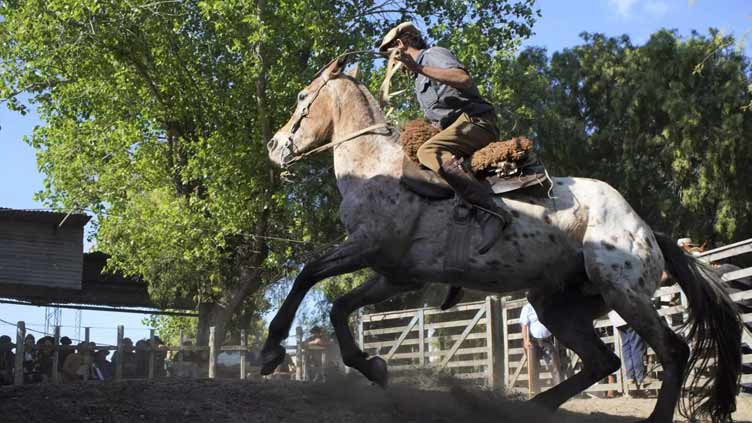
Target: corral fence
[
  {"x": 298, "y": 354},
  {"x": 482, "y": 341}
]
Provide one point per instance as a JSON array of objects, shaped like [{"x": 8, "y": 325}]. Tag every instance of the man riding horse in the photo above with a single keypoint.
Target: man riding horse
[{"x": 450, "y": 99}]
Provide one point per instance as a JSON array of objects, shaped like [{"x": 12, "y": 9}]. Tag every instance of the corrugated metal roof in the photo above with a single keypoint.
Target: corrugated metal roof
[{"x": 44, "y": 216}]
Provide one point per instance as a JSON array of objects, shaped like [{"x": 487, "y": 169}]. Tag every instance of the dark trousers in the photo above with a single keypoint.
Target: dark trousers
[{"x": 633, "y": 353}]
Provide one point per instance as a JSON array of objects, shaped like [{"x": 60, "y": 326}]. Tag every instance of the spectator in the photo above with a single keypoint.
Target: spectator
[
  {"x": 633, "y": 352},
  {"x": 317, "y": 346},
  {"x": 7, "y": 360},
  {"x": 539, "y": 342},
  {"x": 31, "y": 373},
  {"x": 102, "y": 369},
  {"x": 66, "y": 348},
  {"x": 128, "y": 359},
  {"x": 142, "y": 358},
  {"x": 160, "y": 355},
  {"x": 45, "y": 349},
  {"x": 74, "y": 367}
]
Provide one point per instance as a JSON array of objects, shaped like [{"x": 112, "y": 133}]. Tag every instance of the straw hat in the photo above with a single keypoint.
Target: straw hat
[{"x": 396, "y": 32}]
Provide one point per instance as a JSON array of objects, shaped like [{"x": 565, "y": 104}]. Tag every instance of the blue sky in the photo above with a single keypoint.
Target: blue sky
[{"x": 559, "y": 27}]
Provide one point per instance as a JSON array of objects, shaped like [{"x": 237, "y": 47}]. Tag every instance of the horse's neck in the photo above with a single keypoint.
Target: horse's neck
[{"x": 368, "y": 156}]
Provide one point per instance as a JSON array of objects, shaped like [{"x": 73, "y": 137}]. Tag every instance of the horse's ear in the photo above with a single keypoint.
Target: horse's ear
[
  {"x": 335, "y": 68},
  {"x": 353, "y": 72}
]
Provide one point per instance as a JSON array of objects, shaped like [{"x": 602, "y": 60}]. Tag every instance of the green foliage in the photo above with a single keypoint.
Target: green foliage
[
  {"x": 169, "y": 328},
  {"x": 665, "y": 123}
]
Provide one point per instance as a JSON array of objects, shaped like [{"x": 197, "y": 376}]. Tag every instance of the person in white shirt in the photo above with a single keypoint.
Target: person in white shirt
[{"x": 537, "y": 336}]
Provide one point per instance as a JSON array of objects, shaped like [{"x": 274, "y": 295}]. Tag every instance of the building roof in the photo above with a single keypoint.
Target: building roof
[{"x": 44, "y": 216}]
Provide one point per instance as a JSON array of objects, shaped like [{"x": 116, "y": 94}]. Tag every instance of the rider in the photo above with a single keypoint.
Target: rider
[{"x": 450, "y": 99}]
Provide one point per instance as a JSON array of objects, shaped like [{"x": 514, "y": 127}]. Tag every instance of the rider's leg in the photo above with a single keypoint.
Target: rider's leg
[{"x": 460, "y": 139}]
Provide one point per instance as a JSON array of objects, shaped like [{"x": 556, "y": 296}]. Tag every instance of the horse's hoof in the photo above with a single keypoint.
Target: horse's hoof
[
  {"x": 271, "y": 358},
  {"x": 377, "y": 371}
]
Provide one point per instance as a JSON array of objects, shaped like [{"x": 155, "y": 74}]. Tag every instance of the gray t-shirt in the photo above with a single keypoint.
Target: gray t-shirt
[{"x": 440, "y": 102}]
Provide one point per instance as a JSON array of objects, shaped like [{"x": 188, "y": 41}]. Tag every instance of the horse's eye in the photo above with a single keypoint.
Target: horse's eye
[{"x": 302, "y": 95}]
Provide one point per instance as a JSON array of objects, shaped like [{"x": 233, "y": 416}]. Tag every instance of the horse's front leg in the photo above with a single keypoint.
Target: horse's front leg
[
  {"x": 342, "y": 259},
  {"x": 373, "y": 291}
]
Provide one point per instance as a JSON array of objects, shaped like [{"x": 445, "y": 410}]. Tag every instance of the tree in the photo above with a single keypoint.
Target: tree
[
  {"x": 671, "y": 137},
  {"x": 155, "y": 116}
]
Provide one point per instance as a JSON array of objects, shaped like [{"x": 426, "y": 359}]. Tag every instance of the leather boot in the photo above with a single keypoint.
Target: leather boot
[{"x": 493, "y": 219}]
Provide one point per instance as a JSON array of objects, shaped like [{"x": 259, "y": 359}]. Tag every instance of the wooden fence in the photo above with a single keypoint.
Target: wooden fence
[
  {"x": 462, "y": 340},
  {"x": 296, "y": 352}
]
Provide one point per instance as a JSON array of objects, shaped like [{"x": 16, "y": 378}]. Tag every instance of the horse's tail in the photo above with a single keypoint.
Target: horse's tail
[{"x": 715, "y": 329}]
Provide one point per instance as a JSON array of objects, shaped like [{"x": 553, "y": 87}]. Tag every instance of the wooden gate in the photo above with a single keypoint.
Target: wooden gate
[{"x": 462, "y": 341}]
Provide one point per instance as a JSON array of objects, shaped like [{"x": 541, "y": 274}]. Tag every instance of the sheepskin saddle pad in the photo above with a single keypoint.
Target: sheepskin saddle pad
[{"x": 506, "y": 165}]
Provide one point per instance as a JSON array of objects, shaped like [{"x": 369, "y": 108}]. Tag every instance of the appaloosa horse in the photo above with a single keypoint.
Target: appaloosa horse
[{"x": 580, "y": 253}]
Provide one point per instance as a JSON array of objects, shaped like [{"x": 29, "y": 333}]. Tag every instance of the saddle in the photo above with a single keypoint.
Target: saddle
[{"x": 507, "y": 166}]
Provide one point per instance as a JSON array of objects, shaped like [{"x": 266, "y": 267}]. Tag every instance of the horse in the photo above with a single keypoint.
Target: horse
[{"x": 579, "y": 252}]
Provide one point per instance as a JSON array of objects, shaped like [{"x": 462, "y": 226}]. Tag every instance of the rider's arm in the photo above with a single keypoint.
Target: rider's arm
[{"x": 454, "y": 77}]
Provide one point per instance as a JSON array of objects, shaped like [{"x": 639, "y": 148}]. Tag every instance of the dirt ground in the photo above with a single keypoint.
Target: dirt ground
[{"x": 347, "y": 400}]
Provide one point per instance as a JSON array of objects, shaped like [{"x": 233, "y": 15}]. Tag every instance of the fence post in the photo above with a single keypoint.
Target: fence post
[
  {"x": 87, "y": 357},
  {"x": 212, "y": 354},
  {"x": 152, "y": 354},
  {"x": 422, "y": 336},
  {"x": 299, "y": 353},
  {"x": 493, "y": 335},
  {"x": 56, "y": 357},
  {"x": 120, "y": 352},
  {"x": 20, "y": 337},
  {"x": 505, "y": 339},
  {"x": 244, "y": 344}
]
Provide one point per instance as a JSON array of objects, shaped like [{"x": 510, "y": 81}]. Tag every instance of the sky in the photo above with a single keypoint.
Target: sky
[{"x": 558, "y": 28}]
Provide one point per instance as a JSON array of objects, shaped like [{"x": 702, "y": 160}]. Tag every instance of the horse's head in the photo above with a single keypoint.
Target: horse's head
[{"x": 313, "y": 120}]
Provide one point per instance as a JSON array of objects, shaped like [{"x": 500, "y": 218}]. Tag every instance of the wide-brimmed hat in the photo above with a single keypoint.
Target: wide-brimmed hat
[{"x": 396, "y": 32}]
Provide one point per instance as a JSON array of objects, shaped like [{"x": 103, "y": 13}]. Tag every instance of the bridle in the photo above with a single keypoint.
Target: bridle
[{"x": 302, "y": 112}]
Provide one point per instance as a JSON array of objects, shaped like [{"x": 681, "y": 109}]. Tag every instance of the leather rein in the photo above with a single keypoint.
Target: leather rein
[{"x": 303, "y": 113}]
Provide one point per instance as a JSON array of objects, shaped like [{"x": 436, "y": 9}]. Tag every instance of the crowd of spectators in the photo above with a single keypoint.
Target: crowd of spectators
[{"x": 79, "y": 362}]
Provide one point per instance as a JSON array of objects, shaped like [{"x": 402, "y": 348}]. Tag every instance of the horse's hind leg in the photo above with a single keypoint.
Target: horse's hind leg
[
  {"x": 673, "y": 353},
  {"x": 374, "y": 291},
  {"x": 345, "y": 258},
  {"x": 569, "y": 316}
]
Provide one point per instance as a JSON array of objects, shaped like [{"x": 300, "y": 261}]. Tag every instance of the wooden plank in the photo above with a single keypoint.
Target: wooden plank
[
  {"x": 87, "y": 357},
  {"x": 516, "y": 375},
  {"x": 429, "y": 326},
  {"x": 18, "y": 378},
  {"x": 403, "y": 314},
  {"x": 299, "y": 353},
  {"x": 152, "y": 354},
  {"x": 416, "y": 341},
  {"x": 56, "y": 356},
  {"x": 421, "y": 337},
  {"x": 504, "y": 343},
  {"x": 244, "y": 345},
  {"x": 466, "y": 332},
  {"x": 120, "y": 352},
  {"x": 737, "y": 274},
  {"x": 736, "y": 249},
  {"x": 413, "y": 323},
  {"x": 212, "y": 353},
  {"x": 740, "y": 296},
  {"x": 459, "y": 352}
]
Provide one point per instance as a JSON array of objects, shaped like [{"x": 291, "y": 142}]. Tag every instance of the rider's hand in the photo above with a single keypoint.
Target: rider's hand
[{"x": 408, "y": 61}]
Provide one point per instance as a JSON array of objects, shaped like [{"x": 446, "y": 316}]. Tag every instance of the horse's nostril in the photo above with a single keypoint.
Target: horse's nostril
[{"x": 272, "y": 144}]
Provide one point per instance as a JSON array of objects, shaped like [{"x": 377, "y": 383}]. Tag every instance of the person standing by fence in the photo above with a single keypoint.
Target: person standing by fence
[
  {"x": 538, "y": 342},
  {"x": 633, "y": 351}
]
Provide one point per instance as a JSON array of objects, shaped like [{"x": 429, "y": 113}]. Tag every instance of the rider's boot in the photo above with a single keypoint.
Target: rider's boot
[{"x": 494, "y": 219}]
